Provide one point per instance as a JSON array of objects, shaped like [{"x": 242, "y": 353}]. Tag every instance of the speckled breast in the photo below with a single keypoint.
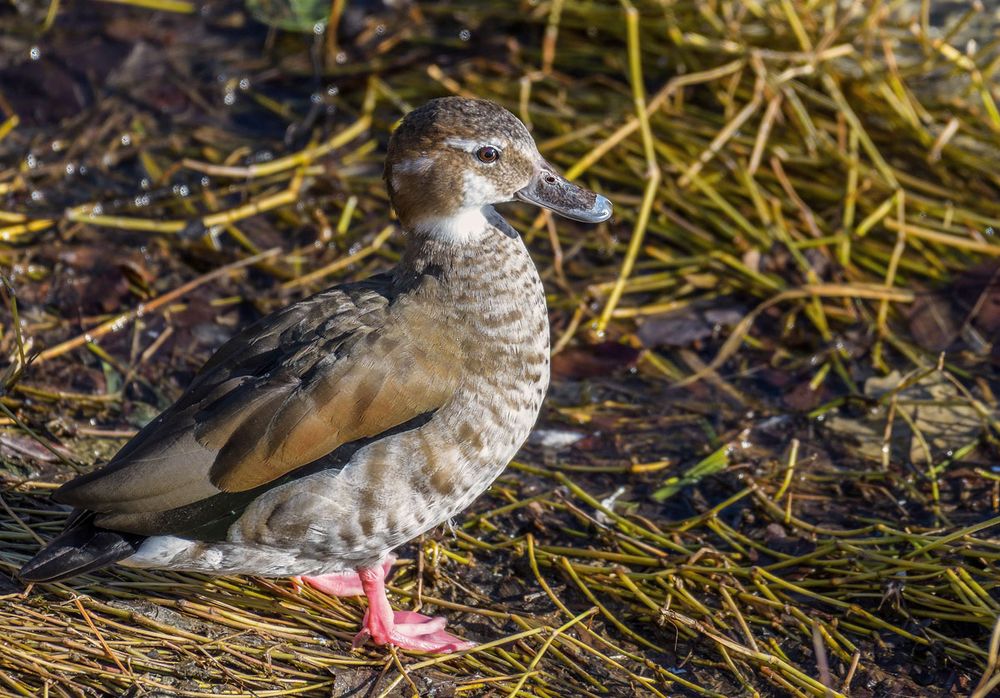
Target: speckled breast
[{"x": 491, "y": 299}]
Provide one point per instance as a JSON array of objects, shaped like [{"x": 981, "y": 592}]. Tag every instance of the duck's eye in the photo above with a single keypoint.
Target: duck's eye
[{"x": 488, "y": 154}]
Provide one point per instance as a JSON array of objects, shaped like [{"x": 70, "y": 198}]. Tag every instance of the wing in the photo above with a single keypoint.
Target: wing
[{"x": 348, "y": 364}]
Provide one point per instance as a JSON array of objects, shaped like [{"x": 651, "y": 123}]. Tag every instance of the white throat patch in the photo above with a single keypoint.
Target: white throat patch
[{"x": 467, "y": 225}]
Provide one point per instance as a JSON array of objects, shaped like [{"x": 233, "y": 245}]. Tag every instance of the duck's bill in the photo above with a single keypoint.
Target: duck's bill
[{"x": 551, "y": 190}]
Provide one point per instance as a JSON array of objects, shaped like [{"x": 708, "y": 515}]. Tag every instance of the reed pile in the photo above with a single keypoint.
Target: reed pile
[{"x": 765, "y": 467}]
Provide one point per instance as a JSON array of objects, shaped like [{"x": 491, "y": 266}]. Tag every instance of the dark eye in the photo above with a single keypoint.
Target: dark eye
[{"x": 488, "y": 154}]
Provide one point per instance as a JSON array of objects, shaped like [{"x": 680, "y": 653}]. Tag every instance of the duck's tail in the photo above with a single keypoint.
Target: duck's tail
[{"x": 80, "y": 548}]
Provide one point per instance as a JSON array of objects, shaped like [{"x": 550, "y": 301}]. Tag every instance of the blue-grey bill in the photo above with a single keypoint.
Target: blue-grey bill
[{"x": 551, "y": 190}]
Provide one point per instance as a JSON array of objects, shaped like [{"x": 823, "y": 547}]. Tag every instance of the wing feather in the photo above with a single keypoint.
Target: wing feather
[{"x": 294, "y": 387}]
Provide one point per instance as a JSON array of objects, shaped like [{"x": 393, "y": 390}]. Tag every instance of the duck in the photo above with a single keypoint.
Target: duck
[{"x": 317, "y": 440}]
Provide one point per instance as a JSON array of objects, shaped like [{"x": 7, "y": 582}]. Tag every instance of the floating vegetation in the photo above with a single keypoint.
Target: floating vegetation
[{"x": 767, "y": 461}]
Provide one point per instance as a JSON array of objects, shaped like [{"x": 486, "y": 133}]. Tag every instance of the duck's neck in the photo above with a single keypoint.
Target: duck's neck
[
  {"x": 485, "y": 280},
  {"x": 462, "y": 243}
]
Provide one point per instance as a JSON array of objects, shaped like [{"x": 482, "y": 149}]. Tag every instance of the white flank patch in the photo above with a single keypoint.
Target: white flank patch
[{"x": 158, "y": 551}]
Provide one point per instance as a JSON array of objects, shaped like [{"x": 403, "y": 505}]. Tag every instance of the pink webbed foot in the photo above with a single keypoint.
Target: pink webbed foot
[
  {"x": 411, "y": 631},
  {"x": 404, "y": 629},
  {"x": 341, "y": 583}
]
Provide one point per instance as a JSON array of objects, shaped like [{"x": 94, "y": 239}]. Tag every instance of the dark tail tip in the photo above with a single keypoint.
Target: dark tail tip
[{"x": 79, "y": 549}]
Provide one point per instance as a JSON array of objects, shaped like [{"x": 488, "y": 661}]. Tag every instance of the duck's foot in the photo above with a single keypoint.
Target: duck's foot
[
  {"x": 404, "y": 629},
  {"x": 409, "y": 630},
  {"x": 341, "y": 583}
]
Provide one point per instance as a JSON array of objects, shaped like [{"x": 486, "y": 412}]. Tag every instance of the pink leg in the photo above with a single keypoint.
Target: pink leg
[
  {"x": 343, "y": 583},
  {"x": 404, "y": 629}
]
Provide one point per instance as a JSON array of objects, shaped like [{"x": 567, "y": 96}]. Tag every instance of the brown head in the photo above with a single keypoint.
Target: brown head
[{"x": 452, "y": 158}]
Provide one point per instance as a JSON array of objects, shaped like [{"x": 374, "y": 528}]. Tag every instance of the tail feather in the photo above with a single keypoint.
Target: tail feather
[{"x": 82, "y": 547}]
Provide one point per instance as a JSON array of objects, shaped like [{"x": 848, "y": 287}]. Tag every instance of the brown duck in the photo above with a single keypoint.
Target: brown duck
[{"x": 328, "y": 433}]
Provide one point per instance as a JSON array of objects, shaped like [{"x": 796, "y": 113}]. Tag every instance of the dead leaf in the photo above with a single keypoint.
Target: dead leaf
[{"x": 594, "y": 360}]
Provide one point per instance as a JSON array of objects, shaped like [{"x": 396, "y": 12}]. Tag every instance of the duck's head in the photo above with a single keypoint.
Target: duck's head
[{"x": 452, "y": 158}]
